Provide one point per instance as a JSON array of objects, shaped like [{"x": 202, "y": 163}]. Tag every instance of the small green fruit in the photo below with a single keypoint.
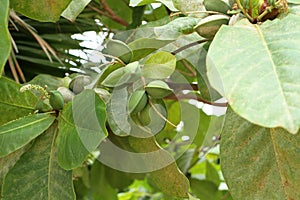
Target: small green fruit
[
  {"x": 217, "y": 6},
  {"x": 119, "y": 49},
  {"x": 79, "y": 82},
  {"x": 209, "y": 26},
  {"x": 137, "y": 101},
  {"x": 153, "y": 118},
  {"x": 158, "y": 89},
  {"x": 56, "y": 100},
  {"x": 67, "y": 94}
]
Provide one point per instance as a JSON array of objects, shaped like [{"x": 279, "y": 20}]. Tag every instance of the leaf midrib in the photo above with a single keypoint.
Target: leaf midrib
[{"x": 264, "y": 42}]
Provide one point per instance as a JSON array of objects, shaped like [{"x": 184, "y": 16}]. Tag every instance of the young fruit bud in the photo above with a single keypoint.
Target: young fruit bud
[
  {"x": 56, "y": 100},
  {"x": 137, "y": 101},
  {"x": 158, "y": 89}
]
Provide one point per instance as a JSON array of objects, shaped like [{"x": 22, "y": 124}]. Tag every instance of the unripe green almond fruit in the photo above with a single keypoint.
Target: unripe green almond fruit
[
  {"x": 56, "y": 100},
  {"x": 119, "y": 49},
  {"x": 79, "y": 82},
  {"x": 209, "y": 26},
  {"x": 217, "y": 6},
  {"x": 137, "y": 101},
  {"x": 149, "y": 117},
  {"x": 158, "y": 89},
  {"x": 67, "y": 94}
]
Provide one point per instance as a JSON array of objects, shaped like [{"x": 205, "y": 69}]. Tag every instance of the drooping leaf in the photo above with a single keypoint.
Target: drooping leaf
[
  {"x": 5, "y": 46},
  {"x": 259, "y": 163},
  {"x": 16, "y": 134},
  {"x": 190, "y": 7},
  {"x": 13, "y": 103},
  {"x": 9, "y": 161},
  {"x": 161, "y": 166},
  {"x": 74, "y": 9},
  {"x": 41, "y": 10},
  {"x": 160, "y": 65},
  {"x": 81, "y": 128},
  {"x": 259, "y": 79},
  {"x": 37, "y": 174}
]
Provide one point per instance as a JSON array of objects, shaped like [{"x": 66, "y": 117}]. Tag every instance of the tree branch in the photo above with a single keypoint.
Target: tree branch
[
  {"x": 112, "y": 14},
  {"x": 189, "y": 46},
  {"x": 188, "y": 96}
]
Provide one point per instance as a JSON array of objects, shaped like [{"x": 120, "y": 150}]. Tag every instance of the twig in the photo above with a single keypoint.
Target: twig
[
  {"x": 160, "y": 115},
  {"x": 187, "y": 96},
  {"x": 113, "y": 15},
  {"x": 244, "y": 11},
  {"x": 13, "y": 69},
  {"x": 189, "y": 46},
  {"x": 16, "y": 64}
]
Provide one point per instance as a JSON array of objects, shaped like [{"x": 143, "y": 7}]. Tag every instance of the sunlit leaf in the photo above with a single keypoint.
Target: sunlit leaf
[{"x": 260, "y": 79}]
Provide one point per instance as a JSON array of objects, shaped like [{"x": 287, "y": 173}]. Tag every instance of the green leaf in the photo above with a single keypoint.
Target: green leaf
[
  {"x": 190, "y": 6},
  {"x": 294, "y": 1},
  {"x": 37, "y": 174},
  {"x": 205, "y": 189},
  {"x": 18, "y": 133},
  {"x": 168, "y": 179},
  {"x": 13, "y": 103},
  {"x": 134, "y": 3},
  {"x": 5, "y": 46},
  {"x": 74, "y": 9},
  {"x": 259, "y": 163},
  {"x": 52, "y": 82},
  {"x": 212, "y": 174},
  {"x": 144, "y": 46},
  {"x": 159, "y": 65},
  {"x": 81, "y": 128},
  {"x": 9, "y": 161},
  {"x": 99, "y": 183},
  {"x": 259, "y": 79},
  {"x": 41, "y": 10},
  {"x": 176, "y": 28}
]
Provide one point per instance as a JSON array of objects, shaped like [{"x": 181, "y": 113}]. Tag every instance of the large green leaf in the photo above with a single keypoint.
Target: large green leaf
[
  {"x": 74, "y": 9},
  {"x": 4, "y": 34},
  {"x": 41, "y": 10},
  {"x": 81, "y": 128},
  {"x": 260, "y": 79},
  {"x": 259, "y": 163},
  {"x": 37, "y": 174},
  {"x": 13, "y": 103},
  {"x": 160, "y": 65},
  {"x": 9, "y": 161},
  {"x": 169, "y": 179},
  {"x": 17, "y": 133}
]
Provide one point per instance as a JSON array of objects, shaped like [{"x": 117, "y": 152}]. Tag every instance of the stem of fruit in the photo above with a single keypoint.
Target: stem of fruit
[
  {"x": 160, "y": 115},
  {"x": 244, "y": 11},
  {"x": 268, "y": 10}
]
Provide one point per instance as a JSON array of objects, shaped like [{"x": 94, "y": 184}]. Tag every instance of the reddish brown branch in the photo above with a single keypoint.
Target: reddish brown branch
[
  {"x": 112, "y": 14},
  {"x": 188, "y": 96}
]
